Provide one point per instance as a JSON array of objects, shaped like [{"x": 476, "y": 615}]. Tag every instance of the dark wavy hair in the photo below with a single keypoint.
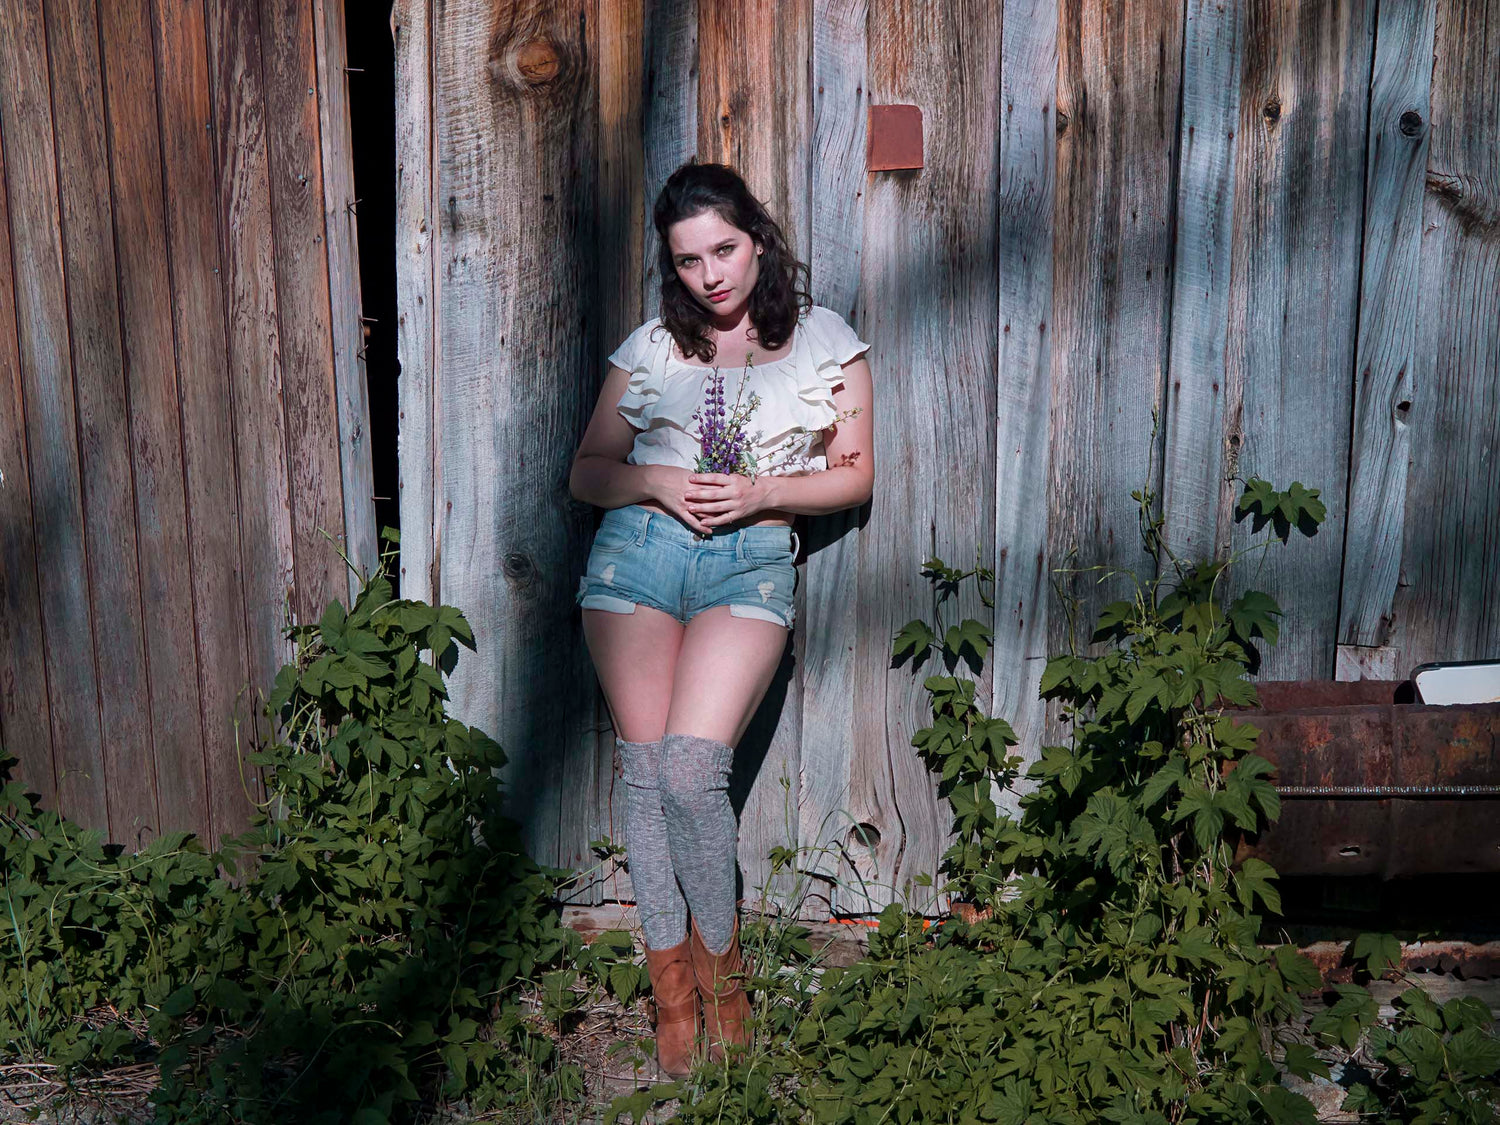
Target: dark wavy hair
[{"x": 777, "y": 299}]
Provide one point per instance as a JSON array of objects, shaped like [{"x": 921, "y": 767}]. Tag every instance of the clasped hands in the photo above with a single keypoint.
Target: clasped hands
[{"x": 715, "y": 499}]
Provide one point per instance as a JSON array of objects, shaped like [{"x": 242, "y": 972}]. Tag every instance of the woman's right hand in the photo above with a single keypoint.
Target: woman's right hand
[{"x": 670, "y": 488}]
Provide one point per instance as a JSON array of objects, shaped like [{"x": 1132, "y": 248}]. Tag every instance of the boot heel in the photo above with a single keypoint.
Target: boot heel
[{"x": 726, "y": 1008}]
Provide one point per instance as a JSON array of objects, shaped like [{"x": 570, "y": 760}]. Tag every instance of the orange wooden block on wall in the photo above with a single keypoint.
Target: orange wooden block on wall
[{"x": 894, "y": 138}]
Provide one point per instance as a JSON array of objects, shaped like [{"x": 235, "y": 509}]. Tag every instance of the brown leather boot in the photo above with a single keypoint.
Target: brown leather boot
[
  {"x": 676, "y": 1009},
  {"x": 726, "y": 1008}
]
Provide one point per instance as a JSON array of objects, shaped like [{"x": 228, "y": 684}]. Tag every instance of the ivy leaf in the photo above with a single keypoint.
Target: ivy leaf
[
  {"x": 1379, "y": 952},
  {"x": 1298, "y": 971},
  {"x": 1208, "y": 819},
  {"x": 1159, "y": 783},
  {"x": 913, "y": 641},
  {"x": 1474, "y": 1053},
  {"x": 1303, "y": 1061},
  {"x": 1254, "y": 614},
  {"x": 1057, "y": 675},
  {"x": 1463, "y": 1012},
  {"x": 1254, "y": 881},
  {"x": 1286, "y": 1108}
]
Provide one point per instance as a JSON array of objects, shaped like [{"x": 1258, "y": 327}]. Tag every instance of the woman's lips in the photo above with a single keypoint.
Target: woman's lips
[{"x": 719, "y": 296}]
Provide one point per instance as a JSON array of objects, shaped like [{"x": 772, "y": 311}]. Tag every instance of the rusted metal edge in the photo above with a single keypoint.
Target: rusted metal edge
[
  {"x": 1463, "y": 959},
  {"x": 1382, "y": 791}
]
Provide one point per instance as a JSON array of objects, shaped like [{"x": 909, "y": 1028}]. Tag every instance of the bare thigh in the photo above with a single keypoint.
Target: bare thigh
[
  {"x": 724, "y": 667},
  {"x": 635, "y": 655}
]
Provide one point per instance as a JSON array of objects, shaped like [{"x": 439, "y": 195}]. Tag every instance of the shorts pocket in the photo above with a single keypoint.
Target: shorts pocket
[
  {"x": 767, "y": 545},
  {"x": 612, "y": 538}
]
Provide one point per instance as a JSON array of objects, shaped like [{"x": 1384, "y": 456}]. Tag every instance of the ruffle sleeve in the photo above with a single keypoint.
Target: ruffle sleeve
[
  {"x": 825, "y": 344},
  {"x": 644, "y": 359}
]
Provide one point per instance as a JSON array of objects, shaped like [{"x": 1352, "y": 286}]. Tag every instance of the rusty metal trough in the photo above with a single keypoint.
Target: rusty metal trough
[{"x": 1374, "y": 787}]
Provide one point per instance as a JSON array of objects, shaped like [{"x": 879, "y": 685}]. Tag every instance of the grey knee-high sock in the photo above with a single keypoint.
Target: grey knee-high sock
[
  {"x": 658, "y": 899},
  {"x": 702, "y": 831}
]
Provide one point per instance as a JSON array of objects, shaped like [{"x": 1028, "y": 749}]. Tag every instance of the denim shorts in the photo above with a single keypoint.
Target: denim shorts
[{"x": 645, "y": 557}]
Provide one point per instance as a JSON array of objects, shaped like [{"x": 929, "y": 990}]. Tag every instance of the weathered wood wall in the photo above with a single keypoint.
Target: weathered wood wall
[
  {"x": 182, "y": 408},
  {"x": 1272, "y": 226}
]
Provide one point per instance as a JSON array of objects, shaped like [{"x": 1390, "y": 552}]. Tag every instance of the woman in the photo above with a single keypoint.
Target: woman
[{"x": 687, "y": 599}]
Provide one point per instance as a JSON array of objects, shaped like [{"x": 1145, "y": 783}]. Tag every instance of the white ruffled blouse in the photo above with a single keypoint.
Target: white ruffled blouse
[{"x": 796, "y": 395}]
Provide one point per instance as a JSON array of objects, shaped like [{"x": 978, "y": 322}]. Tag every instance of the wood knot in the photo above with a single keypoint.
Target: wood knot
[
  {"x": 537, "y": 62},
  {"x": 519, "y": 569},
  {"x": 1062, "y": 122},
  {"x": 531, "y": 63},
  {"x": 1411, "y": 123},
  {"x": 1272, "y": 111}
]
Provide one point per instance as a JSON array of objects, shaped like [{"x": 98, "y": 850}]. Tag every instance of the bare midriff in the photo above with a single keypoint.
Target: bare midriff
[{"x": 771, "y": 516}]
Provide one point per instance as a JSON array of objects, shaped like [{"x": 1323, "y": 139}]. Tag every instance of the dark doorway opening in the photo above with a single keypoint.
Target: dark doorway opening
[{"x": 372, "y": 124}]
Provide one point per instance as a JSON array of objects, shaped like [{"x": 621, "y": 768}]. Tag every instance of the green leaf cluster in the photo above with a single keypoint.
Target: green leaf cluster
[
  {"x": 1118, "y": 967},
  {"x": 360, "y": 952}
]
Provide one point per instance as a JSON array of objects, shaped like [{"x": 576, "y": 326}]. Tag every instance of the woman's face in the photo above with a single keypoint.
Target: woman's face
[{"x": 718, "y": 262}]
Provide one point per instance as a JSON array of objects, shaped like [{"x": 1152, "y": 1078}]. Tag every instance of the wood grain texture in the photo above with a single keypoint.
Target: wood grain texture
[
  {"x": 587, "y": 811},
  {"x": 669, "y": 118},
  {"x": 309, "y": 388},
  {"x": 108, "y": 461},
  {"x": 753, "y": 114},
  {"x": 930, "y": 290},
  {"x": 208, "y": 431},
  {"x": 1023, "y": 443},
  {"x": 25, "y": 733},
  {"x": 1118, "y": 93},
  {"x": 416, "y": 291},
  {"x": 1387, "y": 363},
  {"x": 828, "y": 618},
  {"x": 517, "y": 161},
  {"x": 1447, "y": 603},
  {"x": 1194, "y": 461},
  {"x": 1294, "y": 298},
  {"x": 52, "y": 423},
  {"x": 175, "y": 763},
  {"x": 253, "y": 340},
  {"x": 340, "y": 224}
]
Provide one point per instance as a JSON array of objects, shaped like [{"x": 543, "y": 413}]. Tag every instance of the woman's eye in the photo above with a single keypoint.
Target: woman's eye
[{"x": 724, "y": 249}]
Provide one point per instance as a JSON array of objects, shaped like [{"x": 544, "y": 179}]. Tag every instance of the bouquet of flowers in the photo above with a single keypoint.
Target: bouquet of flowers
[{"x": 727, "y": 445}]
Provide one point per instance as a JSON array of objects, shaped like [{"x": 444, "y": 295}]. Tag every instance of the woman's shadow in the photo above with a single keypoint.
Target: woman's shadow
[{"x": 816, "y": 533}]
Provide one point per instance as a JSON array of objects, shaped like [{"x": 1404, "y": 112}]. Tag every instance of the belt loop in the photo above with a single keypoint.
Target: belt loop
[
  {"x": 643, "y": 526},
  {"x": 796, "y": 543}
]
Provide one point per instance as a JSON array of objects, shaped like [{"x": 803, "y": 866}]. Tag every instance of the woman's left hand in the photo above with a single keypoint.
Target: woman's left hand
[{"x": 723, "y": 498}]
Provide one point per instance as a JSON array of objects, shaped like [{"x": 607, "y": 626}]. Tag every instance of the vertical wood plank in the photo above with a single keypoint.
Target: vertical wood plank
[
  {"x": 145, "y": 300},
  {"x": 1023, "y": 446},
  {"x": 25, "y": 732},
  {"x": 930, "y": 291},
  {"x": 1294, "y": 297},
  {"x": 416, "y": 290},
  {"x": 1194, "y": 463},
  {"x": 208, "y": 434},
  {"x": 309, "y": 391},
  {"x": 517, "y": 89},
  {"x": 663, "y": 109},
  {"x": 52, "y": 430},
  {"x": 248, "y": 252},
  {"x": 107, "y": 450},
  {"x": 830, "y": 579},
  {"x": 586, "y": 802},
  {"x": 1119, "y": 78},
  {"x": 753, "y": 115},
  {"x": 669, "y": 117},
  {"x": 341, "y": 225},
  {"x": 1386, "y": 360},
  {"x": 1447, "y": 604}
]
